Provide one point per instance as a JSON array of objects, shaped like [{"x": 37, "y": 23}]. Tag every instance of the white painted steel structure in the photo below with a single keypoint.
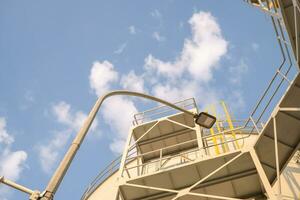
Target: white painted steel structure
[{"x": 168, "y": 157}]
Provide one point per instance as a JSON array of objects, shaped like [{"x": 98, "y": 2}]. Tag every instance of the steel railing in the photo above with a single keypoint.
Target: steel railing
[{"x": 162, "y": 111}]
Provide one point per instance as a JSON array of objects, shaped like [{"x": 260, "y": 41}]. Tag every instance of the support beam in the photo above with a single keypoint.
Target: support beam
[
  {"x": 292, "y": 109},
  {"x": 283, "y": 143},
  {"x": 277, "y": 156},
  {"x": 166, "y": 136},
  {"x": 216, "y": 170},
  {"x": 125, "y": 154},
  {"x": 227, "y": 178},
  {"x": 211, "y": 196},
  {"x": 291, "y": 115},
  {"x": 262, "y": 175},
  {"x": 179, "y": 124},
  {"x": 265, "y": 164},
  {"x": 138, "y": 139},
  {"x": 152, "y": 188},
  {"x": 16, "y": 186}
]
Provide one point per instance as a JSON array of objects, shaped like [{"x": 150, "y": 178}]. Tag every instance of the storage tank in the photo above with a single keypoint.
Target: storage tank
[{"x": 167, "y": 152}]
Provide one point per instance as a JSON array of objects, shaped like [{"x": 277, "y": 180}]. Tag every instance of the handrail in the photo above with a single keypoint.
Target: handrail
[
  {"x": 159, "y": 107},
  {"x": 142, "y": 116}
]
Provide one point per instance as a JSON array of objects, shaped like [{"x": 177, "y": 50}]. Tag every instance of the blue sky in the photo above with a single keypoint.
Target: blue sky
[{"x": 56, "y": 57}]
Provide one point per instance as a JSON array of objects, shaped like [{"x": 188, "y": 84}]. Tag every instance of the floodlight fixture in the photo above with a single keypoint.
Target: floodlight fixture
[{"x": 205, "y": 120}]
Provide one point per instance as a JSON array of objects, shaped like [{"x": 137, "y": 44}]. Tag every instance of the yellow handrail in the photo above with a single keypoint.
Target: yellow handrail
[
  {"x": 224, "y": 145},
  {"x": 229, "y": 121},
  {"x": 214, "y": 138}
]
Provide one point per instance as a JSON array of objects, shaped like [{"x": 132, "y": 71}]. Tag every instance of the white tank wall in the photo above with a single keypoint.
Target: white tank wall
[
  {"x": 107, "y": 190},
  {"x": 290, "y": 181}
]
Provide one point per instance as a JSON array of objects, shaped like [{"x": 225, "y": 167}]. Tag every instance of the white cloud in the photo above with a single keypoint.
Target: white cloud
[
  {"x": 4, "y": 136},
  {"x": 12, "y": 163},
  {"x": 238, "y": 71},
  {"x": 133, "y": 82},
  {"x": 204, "y": 51},
  {"x": 117, "y": 145},
  {"x": 200, "y": 55},
  {"x": 181, "y": 24},
  {"x": 156, "y": 35},
  {"x": 28, "y": 101},
  {"x": 189, "y": 75},
  {"x": 255, "y": 46},
  {"x": 50, "y": 153},
  {"x": 156, "y": 14},
  {"x": 236, "y": 96},
  {"x": 168, "y": 69},
  {"x": 29, "y": 96},
  {"x": 102, "y": 76},
  {"x": 118, "y": 113},
  {"x": 63, "y": 114},
  {"x": 173, "y": 91},
  {"x": 120, "y": 49},
  {"x": 132, "y": 30}
]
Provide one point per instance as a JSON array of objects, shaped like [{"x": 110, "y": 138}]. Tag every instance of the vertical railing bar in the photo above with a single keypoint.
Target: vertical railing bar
[
  {"x": 160, "y": 157},
  {"x": 284, "y": 77},
  {"x": 276, "y": 155},
  {"x": 254, "y": 124},
  {"x": 296, "y": 32}
]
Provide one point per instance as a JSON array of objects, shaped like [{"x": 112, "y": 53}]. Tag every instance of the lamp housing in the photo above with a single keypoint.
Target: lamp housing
[{"x": 205, "y": 120}]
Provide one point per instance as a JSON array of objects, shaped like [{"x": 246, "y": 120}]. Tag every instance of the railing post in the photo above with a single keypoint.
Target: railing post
[
  {"x": 276, "y": 156},
  {"x": 262, "y": 175},
  {"x": 160, "y": 157}
]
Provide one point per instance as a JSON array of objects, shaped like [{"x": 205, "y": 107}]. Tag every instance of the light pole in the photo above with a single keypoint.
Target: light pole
[{"x": 202, "y": 119}]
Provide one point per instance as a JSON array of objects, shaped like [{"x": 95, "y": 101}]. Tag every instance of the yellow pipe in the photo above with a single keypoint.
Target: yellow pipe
[
  {"x": 224, "y": 145},
  {"x": 230, "y": 123},
  {"x": 267, "y": 7},
  {"x": 212, "y": 132}
]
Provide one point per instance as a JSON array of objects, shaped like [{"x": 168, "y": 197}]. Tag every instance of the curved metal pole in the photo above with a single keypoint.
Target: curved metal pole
[{"x": 68, "y": 158}]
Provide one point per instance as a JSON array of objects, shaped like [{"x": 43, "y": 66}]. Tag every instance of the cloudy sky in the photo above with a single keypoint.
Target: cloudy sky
[{"x": 57, "y": 57}]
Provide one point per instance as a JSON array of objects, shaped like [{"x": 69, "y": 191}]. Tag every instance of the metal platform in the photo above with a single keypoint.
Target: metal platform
[
  {"x": 163, "y": 134},
  {"x": 237, "y": 179},
  {"x": 235, "y": 175}
]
